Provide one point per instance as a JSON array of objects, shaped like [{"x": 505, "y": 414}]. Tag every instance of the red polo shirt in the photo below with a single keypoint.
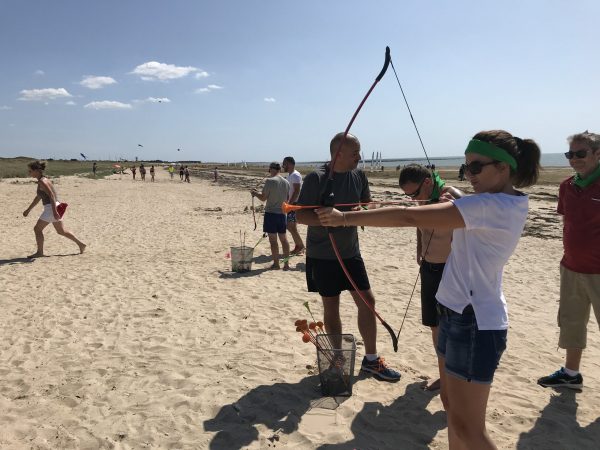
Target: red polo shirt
[{"x": 581, "y": 231}]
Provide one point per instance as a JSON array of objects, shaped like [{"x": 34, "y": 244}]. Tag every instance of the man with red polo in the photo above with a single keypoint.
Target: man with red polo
[{"x": 579, "y": 204}]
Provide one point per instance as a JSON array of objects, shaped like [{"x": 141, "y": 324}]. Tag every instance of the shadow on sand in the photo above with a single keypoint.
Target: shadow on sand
[
  {"x": 9, "y": 262},
  {"x": 557, "y": 427},
  {"x": 404, "y": 424},
  {"x": 250, "y": 273},
  {"x": 279, "y": 407}
]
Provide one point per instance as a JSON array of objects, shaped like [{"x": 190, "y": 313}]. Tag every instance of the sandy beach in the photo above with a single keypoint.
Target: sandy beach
[{"x": 148, "y": 340}]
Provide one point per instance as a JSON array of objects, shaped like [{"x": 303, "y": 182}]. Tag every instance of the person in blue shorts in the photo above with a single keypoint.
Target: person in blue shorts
[{"x": 274, "y": 193}]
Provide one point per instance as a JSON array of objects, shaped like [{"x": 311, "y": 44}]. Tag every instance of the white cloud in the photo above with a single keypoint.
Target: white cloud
[
  {"x": 43, "y": 94},
  {"x": 201, "y": 74},
  {"x": 153, "y": 71},
  {"x": 157, "y": 100},
  {"x": 93, "y": 82},
  {"x": 270, "y": 100},
  {"x": 107, "y": 104},
  {"x": 39, "y": 72},
  {"x": 210, "y": 87},
  {"x": 5, "y": 108},
  {"x": 71, "y": 103}
]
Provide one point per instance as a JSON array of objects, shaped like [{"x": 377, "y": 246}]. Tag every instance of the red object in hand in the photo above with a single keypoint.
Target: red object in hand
[{"x": 61, "y": 208}]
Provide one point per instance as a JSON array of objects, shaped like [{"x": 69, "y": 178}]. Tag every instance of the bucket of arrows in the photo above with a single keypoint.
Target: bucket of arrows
[{"x": 335, "y": 357}]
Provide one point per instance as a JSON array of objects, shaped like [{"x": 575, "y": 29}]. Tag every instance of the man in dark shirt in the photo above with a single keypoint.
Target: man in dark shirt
[{"x": 323, "y": 272}]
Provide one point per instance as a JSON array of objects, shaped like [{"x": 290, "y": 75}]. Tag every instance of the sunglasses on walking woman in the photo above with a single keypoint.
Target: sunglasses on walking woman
[{"x": 576, "y": 154}]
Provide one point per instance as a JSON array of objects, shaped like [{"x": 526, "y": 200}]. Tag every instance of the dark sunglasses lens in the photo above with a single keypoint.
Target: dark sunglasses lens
[
  {"x": 578, "y": 154},
  {"x": 474, "y": 168}
]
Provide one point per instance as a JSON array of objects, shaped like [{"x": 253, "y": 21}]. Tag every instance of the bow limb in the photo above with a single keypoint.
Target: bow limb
[{"x": 328, "y": 199}]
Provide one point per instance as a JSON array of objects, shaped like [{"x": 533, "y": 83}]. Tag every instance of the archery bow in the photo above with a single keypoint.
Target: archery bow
[
  {"x": 429, "y": 162},
  {"x": 327, "y": 199},
  {"x": 253, "y": 209}
]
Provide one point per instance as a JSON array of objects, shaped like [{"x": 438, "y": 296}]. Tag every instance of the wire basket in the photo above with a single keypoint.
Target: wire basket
[{"x": 335, "y": 356}]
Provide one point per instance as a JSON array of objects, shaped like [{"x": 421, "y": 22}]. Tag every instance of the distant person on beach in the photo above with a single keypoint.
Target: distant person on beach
[
  {"x": 215, "y": 175},
  {"x": 94, "y": 168},
  {"x": 295, "y": 181},
  {"x": 461, "y": 173},
  {"x": 181, "y": 172},
  {"x": 152, "y": 173},
  {"x": 433, "y": 245},
  {"x": 133, "y": 169},
  {"x": 50, "y": 214},
  {"x": 186, "y": 174},
  {"x": 323, "y": 272},
  {"x": 142, "y": 172},
  {"x": 171, "y": 170},
  {"x": 274, "y": 193},
  {"x": 579, "y": 204},
  {"x": 473, "y": 315}
]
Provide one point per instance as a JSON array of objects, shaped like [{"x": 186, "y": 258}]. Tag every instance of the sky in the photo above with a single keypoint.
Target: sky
[{"x": 250, "y": 80}]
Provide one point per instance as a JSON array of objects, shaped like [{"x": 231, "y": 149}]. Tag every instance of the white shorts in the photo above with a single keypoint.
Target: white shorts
[{"x": 47, "y": 215}]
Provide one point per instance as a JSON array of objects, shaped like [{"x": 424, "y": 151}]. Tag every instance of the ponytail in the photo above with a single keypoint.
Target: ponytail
[{"x": 528, "y": 163}]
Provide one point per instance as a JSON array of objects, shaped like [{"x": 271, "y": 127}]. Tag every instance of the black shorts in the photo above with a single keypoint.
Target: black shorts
[
  {"x": 431, "y": 275},
  {"x": 328, "y": 279},
  {"x": 274, "y": 223}
]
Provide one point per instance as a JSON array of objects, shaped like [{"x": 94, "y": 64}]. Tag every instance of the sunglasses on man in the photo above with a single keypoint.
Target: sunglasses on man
[
  {"x": 418, "y": 191},
  {"x": 475, "y": 167},
  {"x": 579, "y": 154}
]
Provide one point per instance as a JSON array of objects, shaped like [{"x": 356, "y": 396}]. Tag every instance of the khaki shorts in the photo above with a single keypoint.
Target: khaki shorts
[{"x": 578, "y": 292}]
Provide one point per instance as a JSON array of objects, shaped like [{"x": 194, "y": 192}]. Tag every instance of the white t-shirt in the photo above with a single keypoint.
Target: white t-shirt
[
  {"x": 294, "y": 178},
  {"x": 473, "y": 272}
]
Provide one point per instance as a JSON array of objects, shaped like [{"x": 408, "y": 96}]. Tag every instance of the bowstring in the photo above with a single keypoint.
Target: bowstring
[{"x": 429, "y": 162}]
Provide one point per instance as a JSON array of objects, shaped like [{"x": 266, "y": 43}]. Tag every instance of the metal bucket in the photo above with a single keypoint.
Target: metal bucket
[{"x": 241, "y": 259}]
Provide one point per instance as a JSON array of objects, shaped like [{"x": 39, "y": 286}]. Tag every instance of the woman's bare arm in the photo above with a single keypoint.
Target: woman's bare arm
[
  {"x": 439, "y": 215},
  {"x": 35, "y": 201}
]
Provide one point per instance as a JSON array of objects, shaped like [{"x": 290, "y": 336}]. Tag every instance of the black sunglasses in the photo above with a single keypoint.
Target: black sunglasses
[
  {"x": 418, "y": 191},
  {"x": 576, "y": 154},
  {"x": 475, "y": 167}
]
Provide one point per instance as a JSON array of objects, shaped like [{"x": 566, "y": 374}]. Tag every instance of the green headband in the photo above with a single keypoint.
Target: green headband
[{"x": 487, "y": 149}]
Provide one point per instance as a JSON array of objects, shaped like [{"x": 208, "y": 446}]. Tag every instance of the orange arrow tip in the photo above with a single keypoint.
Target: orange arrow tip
[{"x": 287, "y": 208}]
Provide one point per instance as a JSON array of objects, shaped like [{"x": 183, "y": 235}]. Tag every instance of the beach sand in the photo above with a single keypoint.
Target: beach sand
[{"x": 148, "y": 340}]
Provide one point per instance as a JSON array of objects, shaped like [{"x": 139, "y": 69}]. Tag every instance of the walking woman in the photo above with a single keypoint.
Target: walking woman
[
  {"x": 473, "y": 314},
  {"x": 47, "y": 194}
]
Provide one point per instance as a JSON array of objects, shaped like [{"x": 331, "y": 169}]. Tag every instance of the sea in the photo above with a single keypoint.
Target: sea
[{"x": 547, "y": 160}]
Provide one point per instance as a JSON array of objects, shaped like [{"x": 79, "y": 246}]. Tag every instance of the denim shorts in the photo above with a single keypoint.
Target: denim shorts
[{"x": 470, "y": 354}]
